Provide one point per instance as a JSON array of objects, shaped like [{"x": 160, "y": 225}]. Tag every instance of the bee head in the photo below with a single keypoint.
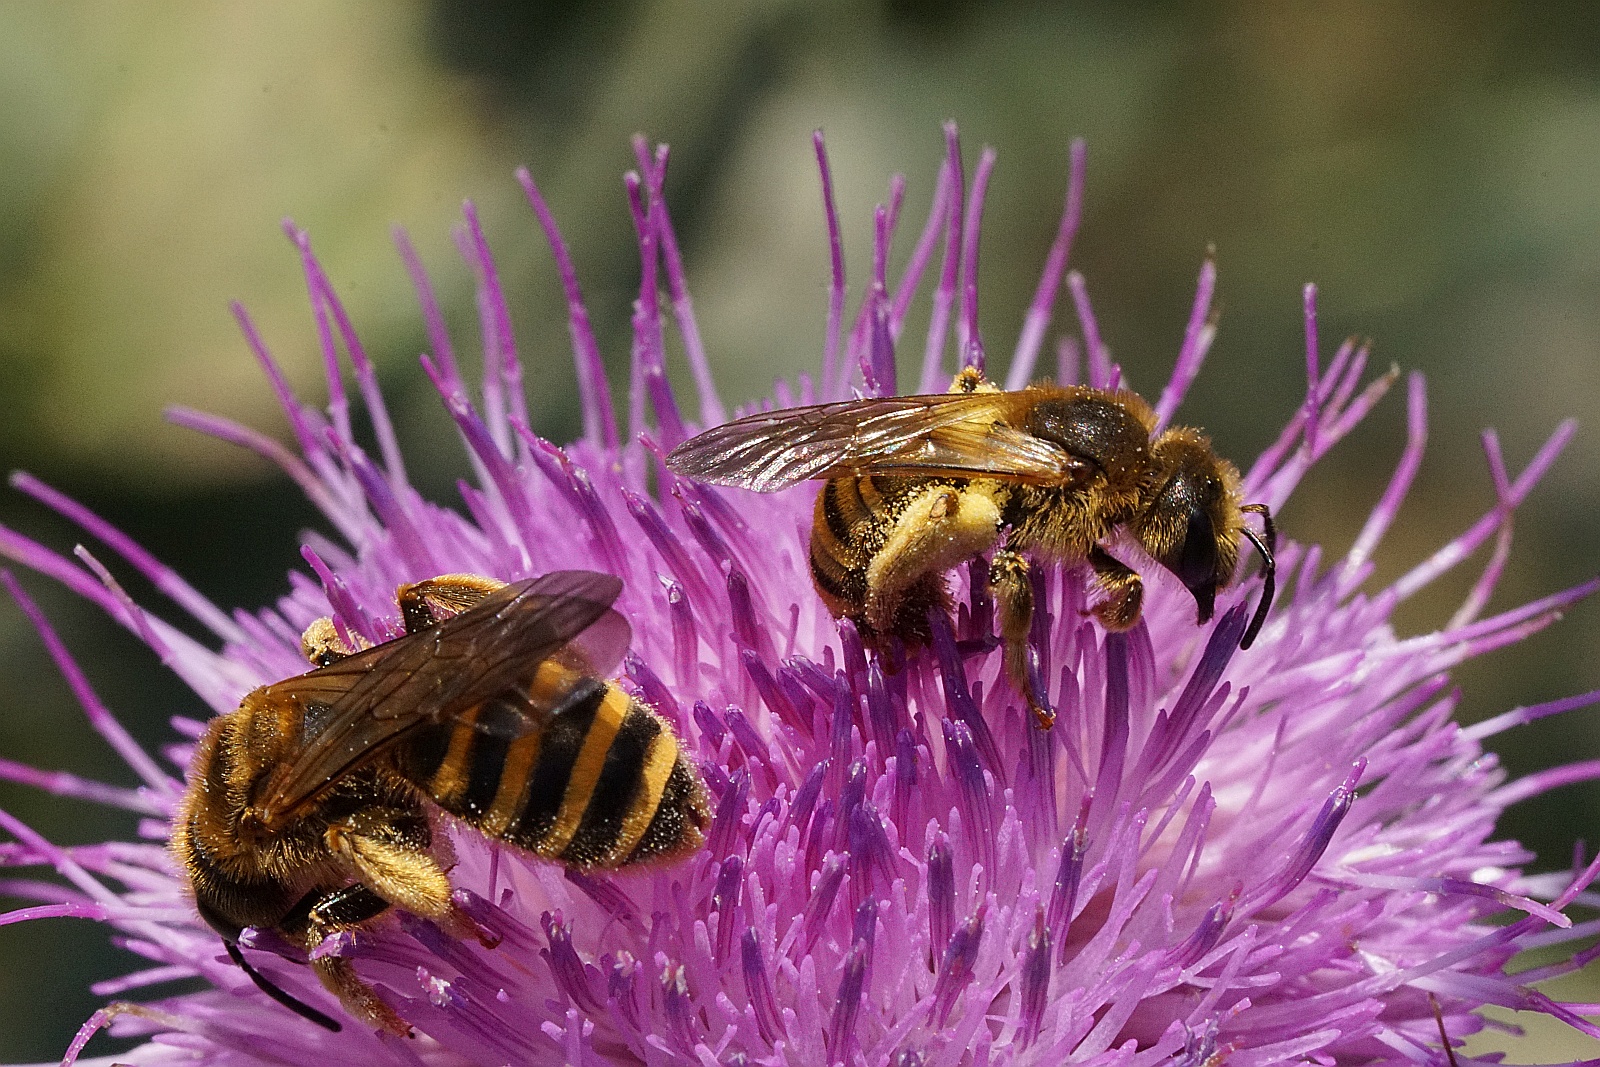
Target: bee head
[{"x": 1192, "y": 523}]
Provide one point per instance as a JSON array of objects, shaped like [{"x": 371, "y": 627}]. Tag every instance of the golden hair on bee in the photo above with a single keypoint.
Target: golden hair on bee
[
  {"x": 310, "y": 808},
  {"x": 917, "y": 485}
]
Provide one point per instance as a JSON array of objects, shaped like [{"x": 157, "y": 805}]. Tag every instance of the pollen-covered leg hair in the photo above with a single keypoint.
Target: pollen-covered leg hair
[
  {"x": 1013, "y": 596},
  {"x": 322, "y": 644},
  {"x": 388, "y": 849},
  {"x": 940, "y": 527},
  {"x": 1123, "y": 588},
  {"x": 971, "y": 380}
]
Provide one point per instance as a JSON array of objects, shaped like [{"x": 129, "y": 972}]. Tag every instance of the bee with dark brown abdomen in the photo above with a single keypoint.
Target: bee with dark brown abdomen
[
  {"x": 917, "y": 485},
  {"x": 307, "y": 808}
]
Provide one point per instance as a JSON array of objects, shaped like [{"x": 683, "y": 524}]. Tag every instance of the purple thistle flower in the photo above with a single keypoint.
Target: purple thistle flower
[{"x": 1280, "y": 854}]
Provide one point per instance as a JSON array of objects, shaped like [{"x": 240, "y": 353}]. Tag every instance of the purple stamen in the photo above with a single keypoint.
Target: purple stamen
[
  {"x": 507, "y": 484},
  {"x": 820, "y": 904},
  {"x": 338, "y": 403},
  {"x": 729, "y": 814},
  {"x": 870, "y": 851},
  {"x": 921, "y": 253},
  {"x": 608, "y": 896},
  {"x": 877, "y": 366},
  {"x": 1400, "y": 481},
  {"x": 1312, "y": 365},
  {"x": 1197, "y": 338},
  {"x": 958, "y": 696},
  {"x": 805, "y": 798},
  {"x": 161, "y": 576},
  {"x": 725, "y": 902},
  {"x": 941, "y": 894},
  {"x": 841, "y": 1028},
  {"x": 1204, "y": 938},
  {"x": 666, "y": 542},
  {"x": 1532, "y": 713},
  {"x": 962, "y": 756},
  {"x": 710, "y": 723},
  {"x": 880, "y": 708},
  {"x": 1037, "y": 320},
  {"x": 1310, "y": 847},
  {"x": 1069, "y": 360},
  {"x": 680, "y": 1011},
  {"x": 389, "y": 509},
  {"x": 831, "y": 389},
  {"x": 66, "y": 784},
  {"x": 1100, "y": 371},
  {"x": 771, "y": 695},
  {"x": 711, "y": 410},
  {"x": 573, "y": 483},
  {"x": 649, "y": 347},
  {"x": 655, "y": 692},
  {"x": 1114, "y": 745},
  {"x": 307, "y": 424},
  {"x": 1463, "y": 546},
  {"x": 968, "y": 338},
  {"x": 1484, "y": 587},
  {"x": 1069, "y": 875},
  {"x": 905, "y": 776},
  {"x": 1035, "y": 979},
  {"x": 956, "y": 967},
  {"x": 433, "y": 319},
  {"x": 100, "y": 718},
  {"x": 865, "y": 927},
  {"x": 599, "y": 418},
  {"x": 501, "y": 367},
  {"x": 758, "y": 986},
  {"x": 944, "y": 295}
]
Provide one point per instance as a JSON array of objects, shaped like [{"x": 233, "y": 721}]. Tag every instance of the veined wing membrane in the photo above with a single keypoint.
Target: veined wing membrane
[
  {"x": 957, "y": 435},
  {"x": 368, "y": 701}
]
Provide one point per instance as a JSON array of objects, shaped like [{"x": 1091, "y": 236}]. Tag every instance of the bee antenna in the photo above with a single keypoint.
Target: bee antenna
[
  {"x": 263, "y": 983},
  {"x": 1269, "y": 569}
]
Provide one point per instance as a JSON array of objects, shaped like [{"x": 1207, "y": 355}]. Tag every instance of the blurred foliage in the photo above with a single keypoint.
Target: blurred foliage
[{"x": 1430, "y": 163}]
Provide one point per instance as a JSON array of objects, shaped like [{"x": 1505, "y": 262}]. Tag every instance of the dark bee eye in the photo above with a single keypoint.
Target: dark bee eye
[{"x": 1197, "y": 561}]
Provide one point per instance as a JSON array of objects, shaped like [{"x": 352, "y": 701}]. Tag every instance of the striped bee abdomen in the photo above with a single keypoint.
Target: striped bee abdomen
[{"x": 601, "y": 783}]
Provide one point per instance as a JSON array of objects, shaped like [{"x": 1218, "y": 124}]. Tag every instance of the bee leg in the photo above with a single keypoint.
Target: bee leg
[
  {"x": 971, "y": 380},
  {"x": 1123, "y": 588},
  {"x": 1013, "y": 597},
  {"x": 433, "y": 600},
  {"x": 322, "y": 643},
  {"x": 389, "y": 849},
  {"x": 939, "y": 528},
  {"x": 345, "y": 909}
]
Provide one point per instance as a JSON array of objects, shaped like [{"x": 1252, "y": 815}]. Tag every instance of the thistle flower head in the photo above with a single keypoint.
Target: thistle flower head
[{"x": 1216, "y": 855}]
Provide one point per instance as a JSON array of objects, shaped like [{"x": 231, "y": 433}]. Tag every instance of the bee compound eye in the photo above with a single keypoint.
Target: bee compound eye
[{"x": 1195, "y": 562}]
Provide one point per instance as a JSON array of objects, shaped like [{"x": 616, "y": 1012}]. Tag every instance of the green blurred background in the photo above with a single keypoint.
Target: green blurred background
[{"x": 1432, "y": 165}]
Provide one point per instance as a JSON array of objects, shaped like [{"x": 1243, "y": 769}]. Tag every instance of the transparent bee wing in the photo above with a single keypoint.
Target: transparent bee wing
[
  {"x": 361, "y": 705},
  {"x": 963, "y": 435}
]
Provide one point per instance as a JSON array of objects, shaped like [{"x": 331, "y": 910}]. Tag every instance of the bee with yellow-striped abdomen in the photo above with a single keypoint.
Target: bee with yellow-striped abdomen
[
  {"x": 307, "y": 810},
  {"x": 916, "y": 485}
]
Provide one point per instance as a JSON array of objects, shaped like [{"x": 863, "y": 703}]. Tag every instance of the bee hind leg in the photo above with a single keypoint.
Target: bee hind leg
[
  {"x": 939, "y": 528},
  {"x": 390, "y": 851},
  {"x": 1013, "y": 595}
]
